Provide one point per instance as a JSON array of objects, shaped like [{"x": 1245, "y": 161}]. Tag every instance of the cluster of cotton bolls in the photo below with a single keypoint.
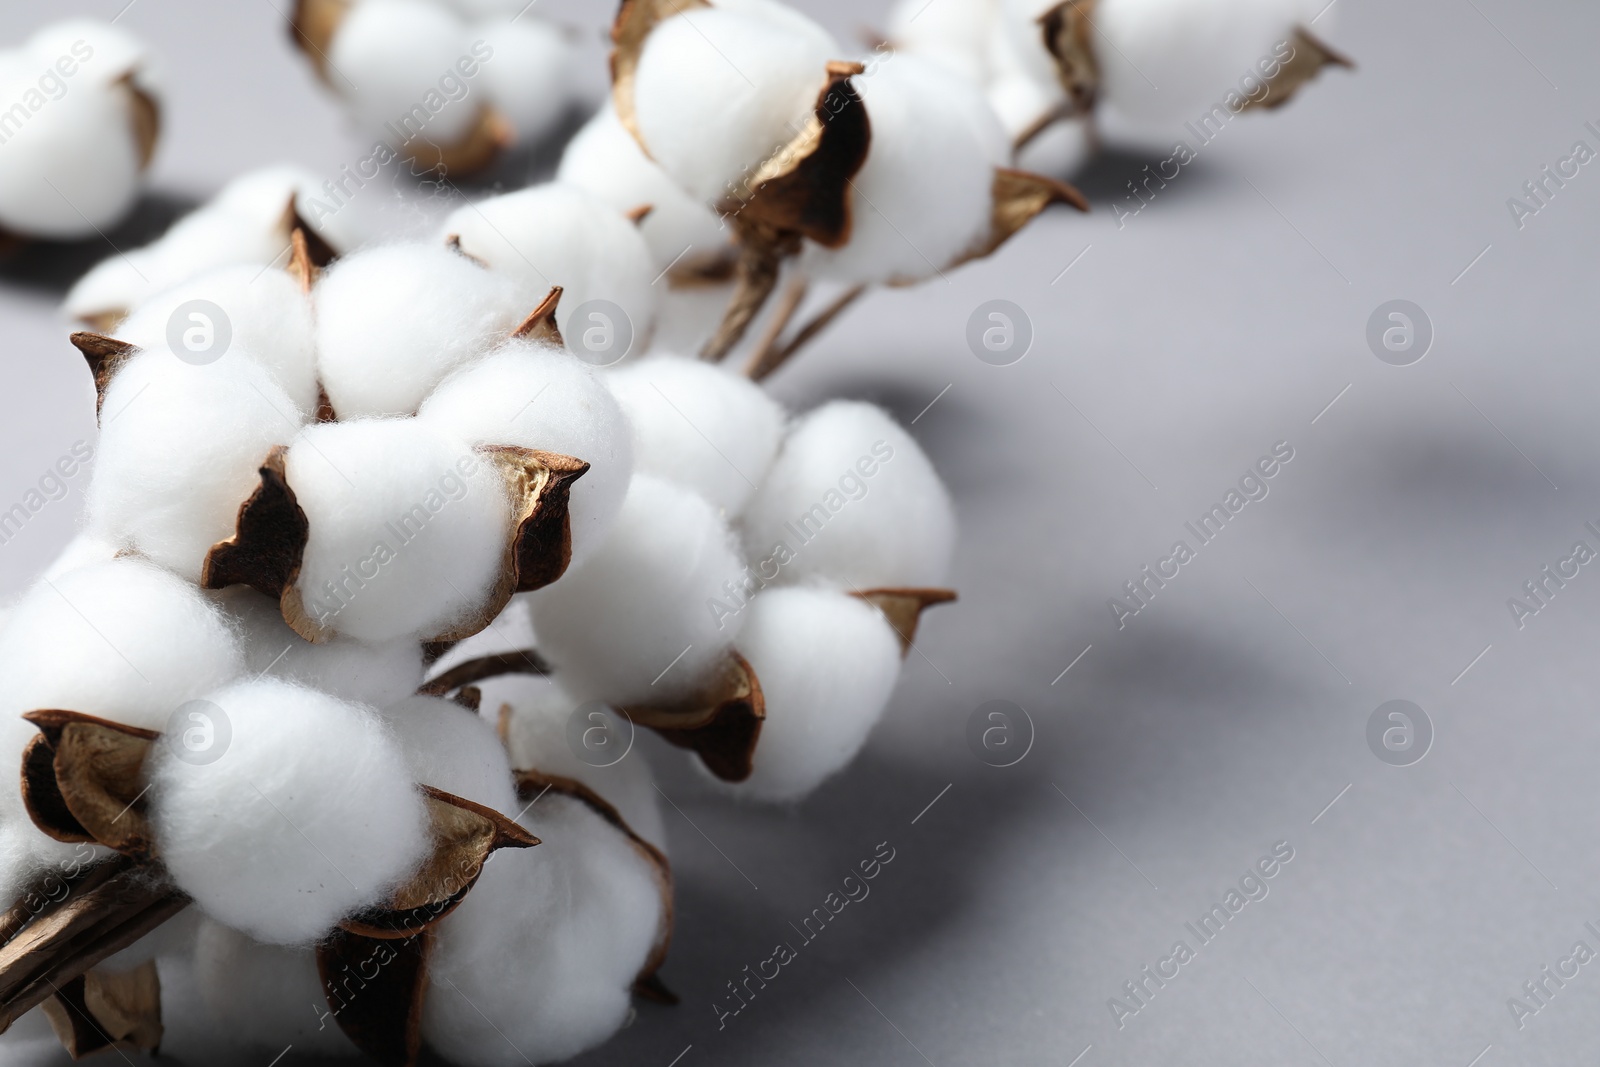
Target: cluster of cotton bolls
[
  {"x": 1049, "y": 66},
  {"x": 446, "y": 83},
  {"x": 79, "y": 119}
]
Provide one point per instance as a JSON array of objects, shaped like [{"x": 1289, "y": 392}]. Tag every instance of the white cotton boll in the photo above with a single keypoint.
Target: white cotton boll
[
  {"x": 180, "y": 449},
  {"x": 111, "y": 286},
  {"x": 393, "y": 321},
  {"x": 308, "y": 814},
  {"x": 924, "y": 197},
  {"x": 538, "y": 739},
  {"x": 556, "y": 234},
  {"x": 828, "y": 662},
  {"x": 267, "y": 315},
  {"x": 534, "y": 396},
  {"x": 451, "y": 748},
  {"x": 1060, "y": 150},
  {"x": 174, "y": 938},
  {"x": 700, "y": 426},
  {"x": 123, "y": 640},
  {"x": 102, "y": 52},
  {"x": 81, "y": 551},
  {"x": 718, "y": 91},
  {"x": 952, "y": 32},
  {"x": 262, "y": 197},
  {"x": 374, "y": 673},
  {"x": 529, "y": 76},
  {"x": 265, "y": 996},
  {"x": 389, "y": 56},
  {"x": 408, "y": 527},
  {"x": 688, "y": 316},
  {"x": 1020, "y": 102},
  {"x": 537, "y": 963},
  {"x": 604, "y": 159},
  {"x": 633, "y": 625},
  {"x": 71, "y": 165},
  {"x": 853, "y": 500}
]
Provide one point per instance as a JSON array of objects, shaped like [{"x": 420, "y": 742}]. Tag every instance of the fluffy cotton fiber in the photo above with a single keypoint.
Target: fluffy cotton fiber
[
  {"x": 537, "y": 963},
  {"x": 700, "y": 426},
  {"x": 268, "y": 317},
  {"x": 309, "y": 813},
  {"x": 374, "y": 673},
  {"x": 393, "y": 321},
  {"x": 954, "y": 33},
  {"x": 828, "y": 662},
  {"x": 528, "y": 75},
  {"x": 719, "y": 90},
  {"x": 852, "y": 500},
  {"x": 924, "y": 196},
  {"x": 180, "y": 449},
  {"x": 265, "y": 996},
  {"x": 535, "y": 396},
  {"x": 556, "y": 234},
  {"x": 388, "y": 57},
  {"x": 632, "y": 625},
  {"x": 408, "y": 527},
  {"x": 453, "y": 749}
]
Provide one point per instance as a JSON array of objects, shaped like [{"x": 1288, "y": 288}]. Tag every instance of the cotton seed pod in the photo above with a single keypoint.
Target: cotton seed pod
[
  {"x": 955, "y": 34},
  {"x": 699, "y": 426},
  {"x": 81, "y": 132},
  {"x": 263, "y": 997},
  {"x": 248, "y": 222},
  {"x": 267, "y": 316},
  {"x": 537, "y": 964},
  {"x": 681, "y": 85},
  {"x": 851, "y": 500},
  {"x": 308, "y": 813},
  {"x": 179, "y": 447},
  {"x": 828, "y": 662},
  {"x": 452, "y": 748},
  {"x": 372, "y": 673},
  {"x": 683, "y": 233},
  {"x": 631, "y": 625},
  {"x": 540, "y": 397},
  {"x": 529, "y": 75},
  {"x": 393, "y": 321},
  {"x": 925, "y": 194},
  {"x": 556, "y": 234}
]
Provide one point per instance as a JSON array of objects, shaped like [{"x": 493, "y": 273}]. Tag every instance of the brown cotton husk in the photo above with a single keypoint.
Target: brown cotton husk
[
  {"x": 540, "y": 325},
  {"x": 144, "y": 118},
  {"x": 318, "y": 251},
  {"x": 302, "y": 268},
  {"x": 105, "y": 356},
  {"x": 375, "y": 990},
  {"x": 82, "y": 781},
  {"x": 106, "y": 1009},
  {"x": 453, "y": 243},
  {"x": 637, "y": 215},
  {"x": 113, "y": 905},
  {"x": 464, "y": 834},
  {"x": 903, "y": 607},
  {"x": 533, "y": 784},
  {"x": 629, "y": 32},
  {"x": 312, "y": 26},
  {"x": 1068, "y": 31},
  {"x": 480, "y": 146},
  {"x": 269, "y": 540},
  {"x": 1018, "y": 197},
  {"x": 721, "y": 725},
  {"x": 522, "y": 661},
  {"x": 1310, "y": 56},
  {"x": 711, "y": 268}
]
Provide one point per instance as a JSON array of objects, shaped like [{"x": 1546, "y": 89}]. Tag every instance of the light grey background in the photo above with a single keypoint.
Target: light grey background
[{"x": 1230, "y": 713}]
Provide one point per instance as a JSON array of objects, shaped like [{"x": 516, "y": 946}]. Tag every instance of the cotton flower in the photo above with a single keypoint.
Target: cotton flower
[{"x": 81, "y": 118}]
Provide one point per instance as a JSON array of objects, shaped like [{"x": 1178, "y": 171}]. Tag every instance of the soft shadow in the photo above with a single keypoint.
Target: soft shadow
[{"x": 1105, "y": 178}]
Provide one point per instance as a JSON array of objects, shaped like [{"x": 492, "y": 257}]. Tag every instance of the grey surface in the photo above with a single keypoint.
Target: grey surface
[{"x": 1229, "y": 714}]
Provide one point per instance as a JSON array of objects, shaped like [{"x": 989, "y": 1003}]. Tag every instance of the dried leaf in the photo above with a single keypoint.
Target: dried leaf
[
  {"x": 525, "y": 661},
  {"x": 114, "y": 905},
  {"x": 533, "y": 784},
  {"x": 312, "y": 27},
  {"x": 266, "y": 550},
  {"x": 539, "y": 544},
  {"x": 1068, "y": 31},
  {"x": 903, "y": 607},
  {"x": 1018, "y": 198},
  {"x": 1310, "y": 56},
  {"x": 101, "y": 1009},
  {"x": 105, "y": 356},
  {"x": 720, "y": 726},
  {"x": 375, "y": 990},
  {"x": 301, "y": 268},
  {"x": 464, "y": 836},
  {"x": 92, "y": 788},
  {"x": 629, "y": 32},
  {"x": 318, "y": 251},
  {"x": 540, "y": 325},
  {"x": 144, "y": 114},
  {"x": 480, "y": 146}
]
